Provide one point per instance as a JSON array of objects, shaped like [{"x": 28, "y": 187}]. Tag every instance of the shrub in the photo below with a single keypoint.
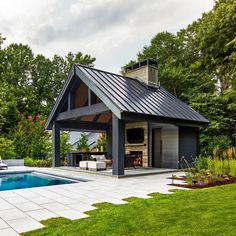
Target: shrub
[
  {"x": 221, "y": 166},
  {"x": 189, "y": 177},
  {"x": 37, "y": 163},
  {"x": 31, "y": 139},
  {"x": 83, "y": 145},
  {"x": 102, "y": 143},
  {"x": 7, "y": 149},
  {"x": 201, "y": 163},
  {"x": 65, "y": 147},
  {"x": 222, "y": 142}
]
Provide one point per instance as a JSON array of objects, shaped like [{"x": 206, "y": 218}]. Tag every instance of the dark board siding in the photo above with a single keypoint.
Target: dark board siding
[{"x": 188, "y": 142}]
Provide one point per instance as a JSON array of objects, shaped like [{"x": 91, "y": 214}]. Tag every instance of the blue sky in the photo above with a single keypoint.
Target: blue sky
[{"x": 113, "y": 31}]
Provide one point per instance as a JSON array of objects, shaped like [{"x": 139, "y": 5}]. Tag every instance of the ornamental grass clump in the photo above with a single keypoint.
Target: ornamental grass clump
[{"x": 220, "y": 167}]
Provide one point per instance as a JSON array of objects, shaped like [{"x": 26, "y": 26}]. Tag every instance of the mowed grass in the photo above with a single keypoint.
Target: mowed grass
[{"x": 209, "y": 211}]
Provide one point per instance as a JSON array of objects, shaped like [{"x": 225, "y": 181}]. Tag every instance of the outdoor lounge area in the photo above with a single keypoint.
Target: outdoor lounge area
[{"x": 146, "y": 126}]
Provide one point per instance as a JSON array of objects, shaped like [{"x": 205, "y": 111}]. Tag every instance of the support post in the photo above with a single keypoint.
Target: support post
[
  {"x": 89, "y": 97},
  {"x": 55, "y": 145},
  {"x": 118, "y": 146},
  {"x": 109, "y": 141},
  {"x": 71, "y": 101}
]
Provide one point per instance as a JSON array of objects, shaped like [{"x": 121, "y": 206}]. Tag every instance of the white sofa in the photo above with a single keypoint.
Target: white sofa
[
  {"x": 98, "y": 157},
  {"x": 83, "y": 165},
  {"x": 96, "y": 165}
]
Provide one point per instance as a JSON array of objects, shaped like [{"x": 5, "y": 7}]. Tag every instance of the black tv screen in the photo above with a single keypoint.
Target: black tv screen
[{"x": 135, "y": 135}]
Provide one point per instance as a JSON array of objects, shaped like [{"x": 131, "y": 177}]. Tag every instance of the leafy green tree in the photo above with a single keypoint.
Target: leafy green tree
[
  {"x": 7, "y": 149},
  {"x": 102, "y": 143},
  {"x": 8, "y": 108},
  {"x": 30, "y": 138},
  {"x": 83, "y": 145},
  {"x": 32, "y": 82},
  {"x": 216, "y": 38},
  {"x": 65, "y": 146}
]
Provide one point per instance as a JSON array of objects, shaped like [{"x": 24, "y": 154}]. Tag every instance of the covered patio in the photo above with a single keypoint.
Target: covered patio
[{"x": 128, "y": 172}]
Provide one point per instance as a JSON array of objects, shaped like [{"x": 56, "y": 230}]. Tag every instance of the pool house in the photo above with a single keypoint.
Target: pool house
[{"x": 144, "y": 123}]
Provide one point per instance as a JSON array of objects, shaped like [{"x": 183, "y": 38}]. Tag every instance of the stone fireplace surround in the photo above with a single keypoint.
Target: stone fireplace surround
[{"x": 131, "y": 148}]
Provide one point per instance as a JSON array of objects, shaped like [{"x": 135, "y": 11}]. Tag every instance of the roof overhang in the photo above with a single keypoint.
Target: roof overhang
[{"x": 129, "y": 116}]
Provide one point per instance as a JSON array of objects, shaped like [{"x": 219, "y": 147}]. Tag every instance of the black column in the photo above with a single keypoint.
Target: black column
[
  {"x": 118, "y": 146},
  {"x": 55, "y": 145},
  {"x": 71, "y": 101},
  {"x": 109, "y": 141}
]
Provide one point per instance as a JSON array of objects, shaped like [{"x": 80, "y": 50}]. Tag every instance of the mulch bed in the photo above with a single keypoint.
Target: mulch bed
[{"x": 231, "y": 180}]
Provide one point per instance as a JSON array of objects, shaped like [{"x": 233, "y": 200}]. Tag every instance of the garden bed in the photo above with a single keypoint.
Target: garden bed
[{"x": 229, "y": 180}]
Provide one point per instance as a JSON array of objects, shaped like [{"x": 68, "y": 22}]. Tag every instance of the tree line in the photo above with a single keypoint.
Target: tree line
[
  {"x": 197, "y": 64},
  {"x": 29, "y": 86}
]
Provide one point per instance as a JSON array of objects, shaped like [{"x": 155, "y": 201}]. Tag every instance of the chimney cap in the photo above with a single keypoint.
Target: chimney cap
[{"x": 145, "y": 62}]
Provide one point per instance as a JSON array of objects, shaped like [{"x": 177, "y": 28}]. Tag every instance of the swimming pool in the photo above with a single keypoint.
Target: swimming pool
[{"x": 30, "y": 180}]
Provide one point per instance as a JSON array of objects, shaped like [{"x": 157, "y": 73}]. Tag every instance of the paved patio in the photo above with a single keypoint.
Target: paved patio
[
  {"x": 128, "y": 172},
  {"x": 22, "y": 210}
]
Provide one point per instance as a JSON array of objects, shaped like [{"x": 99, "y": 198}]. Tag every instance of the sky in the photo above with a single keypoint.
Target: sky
[{"x": 113, "y": 31}]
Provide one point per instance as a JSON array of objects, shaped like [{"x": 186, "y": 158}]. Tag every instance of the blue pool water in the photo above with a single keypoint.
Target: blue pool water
[{"x": 29, "y": 180}]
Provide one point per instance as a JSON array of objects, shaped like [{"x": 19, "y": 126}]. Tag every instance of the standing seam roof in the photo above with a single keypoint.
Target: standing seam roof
[{"x": 131, "y": 95}]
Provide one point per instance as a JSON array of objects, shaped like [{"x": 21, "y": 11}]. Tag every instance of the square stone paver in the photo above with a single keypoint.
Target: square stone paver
[
  {"x": 72, "y": 214},
  {"x": 12, "y": 214},
  {"x": 41, "y": 214},
  {"x": 24, "y": 224},
  {"x": 26, "y": 193},
  {"x": 7, "y": 194},
  {"x": 81, "y": 207},
  {"x": 3, "y": 224},
  {"x": 55, "y": 207},
  {"x": 5, "y": 205},
  {"x": 8, "y": 232},
  {"x": 65, "y": 200},
  {"x": 28, "y": 206},
  {"x": 42, "y": 200},
  {"x": 17, "y": 199}
]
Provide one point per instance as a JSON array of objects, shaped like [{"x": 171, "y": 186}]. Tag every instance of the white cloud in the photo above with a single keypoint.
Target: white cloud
[{"x": 111, "y": 30}]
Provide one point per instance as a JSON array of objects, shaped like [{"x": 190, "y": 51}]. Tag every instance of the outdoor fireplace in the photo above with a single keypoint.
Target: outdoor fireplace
[{"x": 139, "y": 157}]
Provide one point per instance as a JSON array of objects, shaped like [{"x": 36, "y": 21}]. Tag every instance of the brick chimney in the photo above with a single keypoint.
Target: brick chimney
[{"x": 145, "y": 71}]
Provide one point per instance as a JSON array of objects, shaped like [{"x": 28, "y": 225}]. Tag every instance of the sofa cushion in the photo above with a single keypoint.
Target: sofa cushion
[{"x": 98, "y": 157}]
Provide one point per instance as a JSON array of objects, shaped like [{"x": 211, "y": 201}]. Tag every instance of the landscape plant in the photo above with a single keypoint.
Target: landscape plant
[
  {"x": 83, "y": 145},
  {"x": 220, "y": 166},
  {"x": 7, "y": 149},
  {"x": 102, "y": 143}
]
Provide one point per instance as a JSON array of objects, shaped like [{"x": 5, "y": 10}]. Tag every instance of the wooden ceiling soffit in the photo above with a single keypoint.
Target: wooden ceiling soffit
[
  {"x": 88, "y": 118},
  {"x": 104, "y": 117}
]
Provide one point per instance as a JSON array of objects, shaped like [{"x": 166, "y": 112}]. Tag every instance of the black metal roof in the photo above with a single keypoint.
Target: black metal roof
[
  {"x": 132, "y": 95},
  {"x": 123, "y": 94}
]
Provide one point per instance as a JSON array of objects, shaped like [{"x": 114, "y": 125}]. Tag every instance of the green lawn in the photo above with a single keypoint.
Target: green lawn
[{"x": 209, "y": 211}]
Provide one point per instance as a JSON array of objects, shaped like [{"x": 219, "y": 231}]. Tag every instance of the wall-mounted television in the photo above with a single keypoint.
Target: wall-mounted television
[{"x": 135, "y": 135}]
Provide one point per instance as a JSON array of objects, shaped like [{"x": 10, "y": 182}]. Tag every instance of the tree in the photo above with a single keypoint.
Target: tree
[
  {"x": 102, "y": 143},
  {"x": 65, "y": 146},
  {"x": 30, "y": 138},
  {"x": 7, "y": 149},
  {"x": 32, "y": 83},
  {"x": 83, "y": 145},
  {"x": 8, "y": 108},
  {"x": 216, "y": 37}
]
